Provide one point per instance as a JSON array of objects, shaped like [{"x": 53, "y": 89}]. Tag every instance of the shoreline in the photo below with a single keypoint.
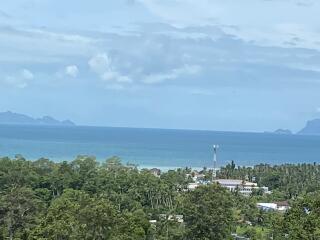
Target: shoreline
[{"x": 152, "y": 166}]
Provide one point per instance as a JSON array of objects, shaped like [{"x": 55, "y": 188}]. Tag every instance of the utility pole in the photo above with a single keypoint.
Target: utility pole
[{"x": 214, "y": 172}]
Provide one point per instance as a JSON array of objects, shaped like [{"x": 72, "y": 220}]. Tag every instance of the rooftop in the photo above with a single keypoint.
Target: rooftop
[{"x": 234, "y": 182}]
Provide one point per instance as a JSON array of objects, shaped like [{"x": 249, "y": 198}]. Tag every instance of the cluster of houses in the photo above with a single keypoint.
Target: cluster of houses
[{"x": 244, "y": 187}]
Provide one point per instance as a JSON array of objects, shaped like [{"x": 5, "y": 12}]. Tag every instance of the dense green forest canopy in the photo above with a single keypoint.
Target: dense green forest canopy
[{"x": 84, "y": 199}]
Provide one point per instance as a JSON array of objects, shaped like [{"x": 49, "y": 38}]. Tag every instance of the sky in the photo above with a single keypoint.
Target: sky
[{"x": 249, "y": 65}]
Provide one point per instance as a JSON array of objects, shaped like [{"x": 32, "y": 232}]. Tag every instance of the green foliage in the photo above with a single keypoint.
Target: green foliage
[
  {"x": 83, "y": 199},
  {"x": 303, "y": 220},
  {"x": 168, "y": 230},
  {"x": 209, "y": 213},
  {"x": 76, "y": 215},
  {"x": 19, "y": 211}
]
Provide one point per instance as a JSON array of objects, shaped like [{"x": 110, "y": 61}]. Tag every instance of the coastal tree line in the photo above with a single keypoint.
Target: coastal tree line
[{"x": 84, "y": 199}]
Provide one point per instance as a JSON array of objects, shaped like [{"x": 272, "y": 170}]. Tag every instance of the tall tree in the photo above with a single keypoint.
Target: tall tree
[
  {"x": 208, "y": 212},
  {"x": 303, "y": 219},
  {"x": 19, "y": 212}
]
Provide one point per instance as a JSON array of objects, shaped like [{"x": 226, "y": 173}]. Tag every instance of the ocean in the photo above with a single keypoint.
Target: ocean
[{"x": 157, "y": 147}]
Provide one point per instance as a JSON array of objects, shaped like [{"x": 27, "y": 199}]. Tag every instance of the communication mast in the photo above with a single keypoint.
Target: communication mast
[{"x": 214, "y": 172}]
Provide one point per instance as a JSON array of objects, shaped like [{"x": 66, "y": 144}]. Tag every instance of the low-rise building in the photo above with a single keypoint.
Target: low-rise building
[
  {"x": 267, "y": 206},
  {"x": 283, "y": 206},
  {"x": 177, "y": 218},
  {"x": 276, "y": 206},
  {"x": 155, "y": 171},
  {"x": 237, "y": 237},
  {"x": 193, "y": 186},
  {"x": 197, "y": 175},
  {"x": 244, "y": 187}
]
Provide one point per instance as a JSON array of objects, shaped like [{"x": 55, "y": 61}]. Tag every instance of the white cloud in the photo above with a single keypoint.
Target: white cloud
[
  {"x": 64, "y": 37},
  {"x": 15, "y": 82},
  {"x": 19, "y": 45},
  {"x": 259, "y": 26},
  {"x": 27, "y": 74},
  {"x": 72, "y": 71},
  {"x": 173, "y": 74},
  {"x": 115, "y": 76},
  {"x": 102, "y": 65},
  {"x": 20, "y": 79}
]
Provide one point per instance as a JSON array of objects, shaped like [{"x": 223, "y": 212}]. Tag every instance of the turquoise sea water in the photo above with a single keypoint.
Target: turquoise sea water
[{"x": 157, "y": 147}]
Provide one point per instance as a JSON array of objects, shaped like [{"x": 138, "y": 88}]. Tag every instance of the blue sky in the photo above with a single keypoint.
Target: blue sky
[{"x": 250, "y": 65}]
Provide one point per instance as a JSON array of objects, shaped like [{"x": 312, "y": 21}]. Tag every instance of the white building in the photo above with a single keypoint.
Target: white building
[
  {"x": 277, "y": 206},
  {"x": 155, "y": 171},
  {"x": 283, "y": 206},
  {"x": 192, "y": 186},
  {"x": 244, "y": 187},
  {"x": 177, "y": 218},
  {"x": 267, "y": 206}
]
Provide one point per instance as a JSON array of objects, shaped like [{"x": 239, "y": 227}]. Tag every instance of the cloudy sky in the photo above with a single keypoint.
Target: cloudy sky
[{"x": 249, "y": 65}]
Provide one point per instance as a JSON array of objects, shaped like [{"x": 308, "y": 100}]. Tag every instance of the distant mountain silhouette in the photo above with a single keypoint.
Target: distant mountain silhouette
[
  {"x": 312, "y": 128},
  {"x": 282, "y": 131},
  {"x": 21, "y": 119}
]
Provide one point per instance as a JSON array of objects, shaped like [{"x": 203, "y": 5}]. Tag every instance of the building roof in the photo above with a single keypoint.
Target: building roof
[
  {"x": 235, "y": 182},
  {"x": 267, "y": 205},
  {"x": 229, "y": 181},
  {"x": 250, "y": 184},
  {"x": 282, "y": 204},
  {"x": 155, "y": 170},
  {"x": 193, "y": 185}
]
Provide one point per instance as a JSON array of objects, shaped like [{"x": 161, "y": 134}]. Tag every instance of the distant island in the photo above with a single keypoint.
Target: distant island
[
  {"x": 21, "y": 119},
  {"x": 312, "y": 128},
  {"x": 280, "y": 132},
  {"x": 283, "y": 131}
]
